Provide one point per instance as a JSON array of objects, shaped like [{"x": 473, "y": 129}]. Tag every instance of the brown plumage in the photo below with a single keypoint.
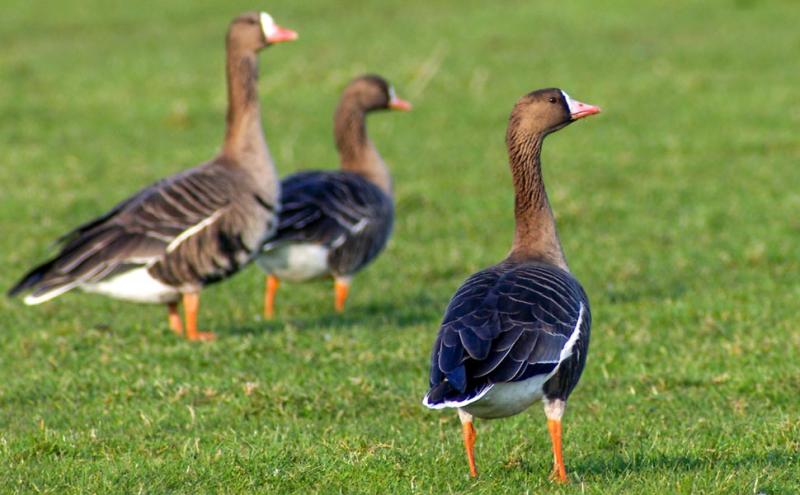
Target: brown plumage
[{"x": 191, "y": 229}]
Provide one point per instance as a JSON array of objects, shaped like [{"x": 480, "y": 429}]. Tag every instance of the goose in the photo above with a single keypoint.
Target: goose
[
  {"x": 518, "y": 332},
  {"x": 333, "y": 223},
  {"x": 200, "y": 226}
]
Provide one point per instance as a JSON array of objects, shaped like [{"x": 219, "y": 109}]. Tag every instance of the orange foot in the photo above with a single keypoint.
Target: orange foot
[
  {"x": 340, "y": 287},
  {"x": 557, "y": 476},
  {"x": 191, "y": 303},
  {"x": 201, "y": 336},
  {"x": 175, "y": 323},
  {"x": 272, "y": 284}
]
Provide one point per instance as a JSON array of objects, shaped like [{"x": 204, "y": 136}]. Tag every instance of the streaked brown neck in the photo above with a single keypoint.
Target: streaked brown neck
[
  {"x": 244, "y": 137},
  {"x": 357, "y": 153},
  {"x": 535, "y": 235}
]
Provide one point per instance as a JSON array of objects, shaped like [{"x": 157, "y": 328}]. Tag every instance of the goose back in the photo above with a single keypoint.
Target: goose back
[
  {"x": 508, "y": 324},
  {"x": 346, "y": 214}
]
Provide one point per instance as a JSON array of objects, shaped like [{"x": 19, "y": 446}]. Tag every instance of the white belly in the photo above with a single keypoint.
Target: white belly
[
  {"x": 507, "y": 399},
  {"x": 136, "y": 285},
  {"x": 296, "y": 262}
]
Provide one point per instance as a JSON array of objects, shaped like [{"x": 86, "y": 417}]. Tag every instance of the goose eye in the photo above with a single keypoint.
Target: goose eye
[{"x": 552, "y": 99}]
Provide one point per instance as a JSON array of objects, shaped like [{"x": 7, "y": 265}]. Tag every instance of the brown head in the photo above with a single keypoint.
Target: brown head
[
  {"x": 371, "y": 92},
  {"x": 544, "y": 111},
  {"x": 253, "y": 31}
]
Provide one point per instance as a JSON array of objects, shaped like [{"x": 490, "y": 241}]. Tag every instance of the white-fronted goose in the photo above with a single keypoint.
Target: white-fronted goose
[
  {"x": 188, "y": 230},
  {"x": 518, "y": 331},
  {"x": 333, "y": 223}
]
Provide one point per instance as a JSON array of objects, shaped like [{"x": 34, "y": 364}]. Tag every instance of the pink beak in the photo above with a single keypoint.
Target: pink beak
[
  {"x": 579, "y": 110},
  {"x": 400, "y": 104},
  {"x": 282, "y": 34}
]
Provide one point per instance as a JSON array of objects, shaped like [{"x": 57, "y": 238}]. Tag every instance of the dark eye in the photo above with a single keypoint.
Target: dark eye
[{"x": 552, "y": 99}]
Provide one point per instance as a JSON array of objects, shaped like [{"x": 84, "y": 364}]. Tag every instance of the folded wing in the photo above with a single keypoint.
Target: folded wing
[{"x": 505, "y": 324}]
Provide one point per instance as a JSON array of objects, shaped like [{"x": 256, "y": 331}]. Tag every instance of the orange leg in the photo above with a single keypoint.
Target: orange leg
[
  {"x": 191, "y": 303},
  {"x": 559, "y": 470},
  {"x": 341, "y": 288},
  {"x": 272, "y": 284},
  {"x": 175, "y": 323},
  {"x": 469, "y": 444},
  {"x": 469, "y": 440}
]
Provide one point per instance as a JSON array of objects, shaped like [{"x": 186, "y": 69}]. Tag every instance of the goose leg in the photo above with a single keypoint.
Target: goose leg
[
  {"x": 554, "y": 409},
  {"x": 175, "y": 323},
  {"x": 469, "y": 440},
  {"x": 341, "y": 286},
  {"x": 272, "y": 284},
  {"x": 191, "y": 304}
]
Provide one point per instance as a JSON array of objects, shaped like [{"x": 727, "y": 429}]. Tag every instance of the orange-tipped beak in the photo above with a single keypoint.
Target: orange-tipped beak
[
  {"x": 579, "y": 110},
  {"x": 400, "y": 104},
  {"x": 280, "y": 34}
]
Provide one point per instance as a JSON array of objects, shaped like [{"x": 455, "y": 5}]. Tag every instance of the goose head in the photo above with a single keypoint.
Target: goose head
[
  {"x": 372, "y": 92},
  {"x": 257, "y": 30},
  {"x": 547, "y": 110}
]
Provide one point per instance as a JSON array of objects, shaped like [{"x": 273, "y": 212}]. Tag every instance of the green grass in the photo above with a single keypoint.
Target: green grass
[{"x": 677, "y": 208}]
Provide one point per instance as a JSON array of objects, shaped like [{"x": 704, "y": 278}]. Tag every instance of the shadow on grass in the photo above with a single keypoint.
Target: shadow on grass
[
  {"x": 645, "y": 291},
  {"x": 618, "y": 465},
  {"x": 419, "y": 309}
]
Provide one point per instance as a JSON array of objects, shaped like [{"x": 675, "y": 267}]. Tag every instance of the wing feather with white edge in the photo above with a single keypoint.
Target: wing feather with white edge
[
  {"x": 138, "y": 231},
  {"x": 505, "y": 324}
]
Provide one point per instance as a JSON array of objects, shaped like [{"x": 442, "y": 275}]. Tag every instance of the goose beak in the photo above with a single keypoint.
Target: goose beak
[
  {"x": 579, "y": 110},
  {"x": 280, "y": 34},
  {"x": 399, "y": 104}
]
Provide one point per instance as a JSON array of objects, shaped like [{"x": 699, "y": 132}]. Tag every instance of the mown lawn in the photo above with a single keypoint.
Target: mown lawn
[{"x": 678, "y": 209}]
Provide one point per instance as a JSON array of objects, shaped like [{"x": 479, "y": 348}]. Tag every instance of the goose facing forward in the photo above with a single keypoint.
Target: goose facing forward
[
  {"x": 333, "y": 223},
  {"x": 518, "y": 332},
  {"x": 188, "y": 230}
]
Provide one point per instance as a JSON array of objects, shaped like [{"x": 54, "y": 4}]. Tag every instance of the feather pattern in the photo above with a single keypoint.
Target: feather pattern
[
  {"x": 506, "y": 324},
  {"x": 341, "y": 211},
  {"x": 188, "y": 230}
]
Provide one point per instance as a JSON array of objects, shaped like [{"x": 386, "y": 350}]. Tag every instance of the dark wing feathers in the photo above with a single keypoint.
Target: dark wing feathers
[
  {"x": 505, "y": 324},
  {"x": 339, "y": 210},
  {"x": 135, "y": 232}
]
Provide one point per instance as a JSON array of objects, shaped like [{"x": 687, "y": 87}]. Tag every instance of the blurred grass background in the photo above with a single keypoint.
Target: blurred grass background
[{"x": 677, "y": 208}]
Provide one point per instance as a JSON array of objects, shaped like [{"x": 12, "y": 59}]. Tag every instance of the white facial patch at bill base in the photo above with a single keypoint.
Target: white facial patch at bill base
[
  {"x": 267, "y": 25},
  {"x": 573, "y": 107},
  {"x": 392, "y": 94}
]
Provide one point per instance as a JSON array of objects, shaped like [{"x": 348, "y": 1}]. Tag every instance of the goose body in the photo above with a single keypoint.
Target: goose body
[
  {"x": 189, "y": 230},
  {"x": 176, "y": 236},
  {"x": 334, "y": 223},
  {"x": 518, "y": 332}
]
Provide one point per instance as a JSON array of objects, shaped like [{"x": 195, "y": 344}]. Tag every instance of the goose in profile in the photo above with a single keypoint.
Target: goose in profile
[
  {"x": 333, "y": 223},
  {"x": 518, "y": 332},
  {"x": 197, "y": 227}
]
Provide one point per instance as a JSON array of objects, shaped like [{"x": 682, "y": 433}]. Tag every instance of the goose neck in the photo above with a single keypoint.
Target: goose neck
[
  {"x": 243, "y": 136},
  {"x": 357, "y": 153},
  {"x": 535, "y": 235}
]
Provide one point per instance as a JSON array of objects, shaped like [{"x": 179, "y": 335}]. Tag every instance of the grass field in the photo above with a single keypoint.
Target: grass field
[{"x": 678, "y": 209}]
